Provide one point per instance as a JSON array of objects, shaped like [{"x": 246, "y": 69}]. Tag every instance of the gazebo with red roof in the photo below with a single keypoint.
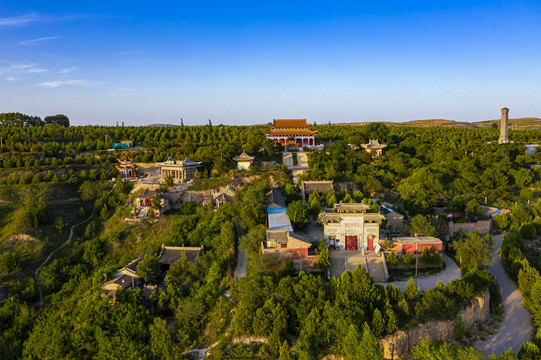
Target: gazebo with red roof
[
  {"x": 126, "y": 169},
  {"x": 291, "y": 133}
]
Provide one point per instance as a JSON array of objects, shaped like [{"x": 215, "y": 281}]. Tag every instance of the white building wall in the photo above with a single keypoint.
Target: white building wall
[{"x": 352, "y": 226}]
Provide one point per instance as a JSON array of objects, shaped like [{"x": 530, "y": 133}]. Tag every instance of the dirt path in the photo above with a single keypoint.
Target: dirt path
[
  {"x": 36, "y": 273},
  {"x": 516, "y": 327},
  {"x": 72, "y": 229}
]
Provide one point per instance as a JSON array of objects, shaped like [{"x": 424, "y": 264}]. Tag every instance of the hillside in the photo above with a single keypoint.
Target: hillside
[{"x": 520, "y": 123}]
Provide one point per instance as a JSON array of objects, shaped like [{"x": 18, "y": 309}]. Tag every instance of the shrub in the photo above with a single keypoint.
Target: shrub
[
  {"x": 425, "y": 256},
  {"x": 437, "y": 259},
  {"x": 500, "y": 221},
  {"x": 411, "y": 292},
  {"x": 408, "y": 259},
  {"x": 392, "y": 259}
]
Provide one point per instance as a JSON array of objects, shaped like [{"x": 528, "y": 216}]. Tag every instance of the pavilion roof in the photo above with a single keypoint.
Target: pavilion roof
[
  {"x": 244, "y": 157},
  {"x": 171, "y": 254},
  {"x": 373, "y": 144},
  {"x": 290, "y": 132},
  {"x": 289, "y": 123},
  {"x": 308, "y": 187},
  {"x": 126, "y": 158}
]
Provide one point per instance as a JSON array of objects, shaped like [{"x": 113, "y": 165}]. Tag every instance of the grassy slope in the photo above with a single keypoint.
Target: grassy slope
[{"x": 62, "y": 200}]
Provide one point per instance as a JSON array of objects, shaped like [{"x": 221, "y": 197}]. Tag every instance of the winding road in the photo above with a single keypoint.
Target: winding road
[{"x": 516, "y": 327}]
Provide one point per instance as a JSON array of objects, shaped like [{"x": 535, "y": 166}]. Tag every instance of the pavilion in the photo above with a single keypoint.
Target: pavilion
[
  {"x": 126, "y": 168},
  {"x": 292, "y": 133},
  {"x": 244, "y": 161},
  {"x": 180, "y": 171},
  {"x": 374, "y": 147}
]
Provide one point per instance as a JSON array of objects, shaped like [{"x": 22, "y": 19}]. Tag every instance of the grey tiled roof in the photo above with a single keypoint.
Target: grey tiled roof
[{"x": 171, "y": 254}]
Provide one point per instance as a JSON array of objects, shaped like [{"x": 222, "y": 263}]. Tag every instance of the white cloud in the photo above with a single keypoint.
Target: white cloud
[
  {"x": 34, "y": 41},
  {"x": 57, "y": 83},
  {"x": 18, "y": 69},
  {"x": 68, "y": 70},
  {"x": 37, "y": 70},
  {"x": 19, "y": 20},
  {"x": 12, "y": 78}
]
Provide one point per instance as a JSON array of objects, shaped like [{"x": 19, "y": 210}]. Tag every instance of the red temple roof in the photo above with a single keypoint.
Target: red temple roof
[
  {"x": 290, "y": 132},
  {"x": 125, "y": 158},
  {"x": 289, "y": 123}
]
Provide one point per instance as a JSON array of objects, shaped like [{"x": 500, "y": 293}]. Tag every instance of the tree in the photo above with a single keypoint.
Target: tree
[
  {"x": 315, "y": 207},
  {"x": 391, "y": 320},
  {"x": 148, "y": 267},
  {"x": 297, "y": 211},
  {"x": 161, "y": 343},
  {"x": 392, "y": 258},
  {"x": 473, "y": 210},
  {"x": 324, "y": 260},
  {"x": 285, "y": 352},
  {"x": 378, "y": 324},
  {"x": 429, "y": 350},
  {"x": 89, "y": 190},
  {"x": 501, "y": 221},
  {"x": 57, "y": 119},
  {"x": 421, "y": 226},
  {"x": 529, "y": 351},
  {"x": 59, "y": 225},
  {"x": 411, "y": 291},
  {"x": 474, "y": 251},
  {"x": 403, "y": 309},
  {"x": 169, "y": 182},
  {"x": 177, "y": 269},
  {"x": 361, "y": 346}
]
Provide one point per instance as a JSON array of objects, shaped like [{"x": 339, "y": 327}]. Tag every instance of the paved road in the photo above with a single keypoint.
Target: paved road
[
  {"x": 242, "y": 259},
  {"x": 302, "y": 164},
  {"x": 242, "y": 262},
  {"x": 429, "y": 281},
  {"x": 516, "y": 328}
]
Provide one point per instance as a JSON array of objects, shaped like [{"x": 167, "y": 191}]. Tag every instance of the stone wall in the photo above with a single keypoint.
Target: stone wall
[
  {"x": 399, "y": 344},
  {"x": 482, "y": 226}
]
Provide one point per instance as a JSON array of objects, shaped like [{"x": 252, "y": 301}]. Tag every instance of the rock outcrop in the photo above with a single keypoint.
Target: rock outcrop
[{"x": 399, "y": 344}]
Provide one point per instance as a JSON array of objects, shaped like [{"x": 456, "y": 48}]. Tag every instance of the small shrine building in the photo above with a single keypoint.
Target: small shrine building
[
  {"x": 349, "y": 226},
  {"x": 180, "y": 171},
  {"x": 244, "y": 161},
  {"x": 292, "y": 133},
  {"x": 374, "y": 147},
  {"x": 127, "y": 169}
]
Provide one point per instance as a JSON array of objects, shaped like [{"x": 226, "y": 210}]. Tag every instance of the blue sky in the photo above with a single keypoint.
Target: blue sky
[{"x": 246, "y": 62}]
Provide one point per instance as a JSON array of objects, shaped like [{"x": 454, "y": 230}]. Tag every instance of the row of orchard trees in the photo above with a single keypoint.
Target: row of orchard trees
[{"x": 18, "y": 119}]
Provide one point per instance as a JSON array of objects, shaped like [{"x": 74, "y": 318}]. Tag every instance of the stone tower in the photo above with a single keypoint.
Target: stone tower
[{"x": 503, "y": 126}]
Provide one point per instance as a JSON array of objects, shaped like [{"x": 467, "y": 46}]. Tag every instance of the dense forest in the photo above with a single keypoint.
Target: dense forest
[{"x": 54, "y": 176}]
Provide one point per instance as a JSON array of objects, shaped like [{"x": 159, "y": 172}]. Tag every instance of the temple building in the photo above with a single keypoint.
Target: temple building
[
  {"x": 308, "y": 187},
  {"x": 244, "y": 161},
  {"x": 126, "y": 168},
  {"x": 286, "y": 243},
  {"x": 351, "y": 227},
  {"x": 374, "y": 147},
  {"x": 292, "y": 133},
  {"x": 180, "y": 171}
]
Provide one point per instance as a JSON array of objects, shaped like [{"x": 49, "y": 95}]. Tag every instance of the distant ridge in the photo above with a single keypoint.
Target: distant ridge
[
  {"x": 161, "y": 125},
  {"x": 519, "y": 123}
]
